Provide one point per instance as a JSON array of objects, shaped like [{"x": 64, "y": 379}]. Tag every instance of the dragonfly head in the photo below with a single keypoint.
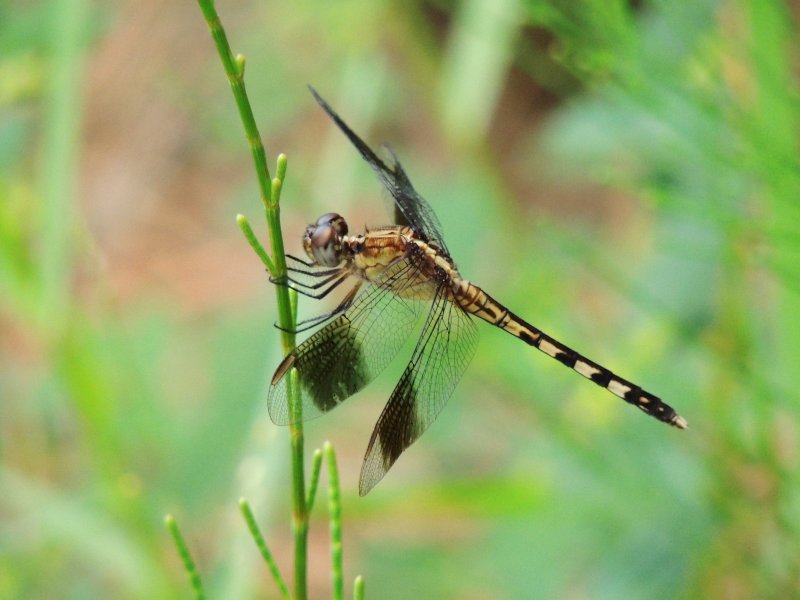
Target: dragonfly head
[{"x": 323, "y": 240}]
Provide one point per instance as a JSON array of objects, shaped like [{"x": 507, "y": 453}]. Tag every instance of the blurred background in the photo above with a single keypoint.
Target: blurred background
[{"x": 623, "y": 175}]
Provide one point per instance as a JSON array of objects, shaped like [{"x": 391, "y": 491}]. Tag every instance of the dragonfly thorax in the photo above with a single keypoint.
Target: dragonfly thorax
[{"x": 322, "y": 240}]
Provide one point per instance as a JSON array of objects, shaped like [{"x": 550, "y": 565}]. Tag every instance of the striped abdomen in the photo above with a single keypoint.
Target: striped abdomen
[{"x": 477, "y": 302}]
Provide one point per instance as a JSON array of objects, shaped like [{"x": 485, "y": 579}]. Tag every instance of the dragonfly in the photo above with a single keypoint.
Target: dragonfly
[{"x": 399, "y": 275}]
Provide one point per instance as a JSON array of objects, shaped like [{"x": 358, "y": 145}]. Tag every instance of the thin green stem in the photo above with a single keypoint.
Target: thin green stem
[
  {"x": 244, "y": 225},
  {"x": 58, "y": 163},
  {"x": 186, "y": 557},
  {"x": 316, "y": 467},
  {"x": 263, "y": 548},
  {"x": 234, "y": 69},
  {"x": 273, "y": 216},
  {"x": 358, "y": 588},
  {"x": 335, "y": 510},
  {"x": 280, "y": 176},
  {"x": 287, "y": 313},
  {"x": 293, "y": 304},
  {"x": 281, "y": 170},
  {"x": 299, "y": 506},
  {"x": 270, "y": 194}
]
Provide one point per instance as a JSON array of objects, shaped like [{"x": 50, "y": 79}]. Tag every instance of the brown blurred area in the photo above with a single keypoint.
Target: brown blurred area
[{"x": 151, "y": 182}]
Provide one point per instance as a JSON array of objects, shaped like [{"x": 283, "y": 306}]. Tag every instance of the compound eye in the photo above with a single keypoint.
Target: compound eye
[
  {"x": 323, "y": 240},
  {"x": 325, "y": 246},
  {"x": 323, "y": 237},
  {"x": 334, "y": 220}
]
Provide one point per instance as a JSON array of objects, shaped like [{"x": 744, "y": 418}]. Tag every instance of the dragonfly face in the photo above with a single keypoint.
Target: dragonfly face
[
  {"x": 402, "y": 274},
  {"x": 323, "y": 240}
]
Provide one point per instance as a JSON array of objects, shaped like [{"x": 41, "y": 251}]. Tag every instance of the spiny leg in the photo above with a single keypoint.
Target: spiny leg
[
  {"x": 312, "y": 322},
  {"x": 309, "y": 291},
  {"x": 301, "y": 261}
]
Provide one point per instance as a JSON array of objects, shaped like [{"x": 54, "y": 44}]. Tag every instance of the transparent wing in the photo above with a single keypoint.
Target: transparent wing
[
  {"x": 413, "y": 209},
  {"x": 351, "y": 350},
  {"x": 447, "y": 344}
]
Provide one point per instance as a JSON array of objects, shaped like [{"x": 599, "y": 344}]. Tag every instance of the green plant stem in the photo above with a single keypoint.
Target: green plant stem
[
  {"x": 358, "y": 588},
  {"x": 270, "y": 194},
  {"x": 335, "y": 510},
  {"x": 59, "y": 160},
  {"x": 234, "y": 69},
  {"x": 186, "y": 557},
  {"x": 244, "y": 225},
  {"x": 299, "y": 506},
  {"x": 263, "y": 548},
  {"x": 316, "y": 467},
  {"x": 273, "y": 215}
]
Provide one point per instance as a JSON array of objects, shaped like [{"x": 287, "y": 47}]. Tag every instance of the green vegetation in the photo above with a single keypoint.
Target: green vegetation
[{"x": 636, "y": 168}]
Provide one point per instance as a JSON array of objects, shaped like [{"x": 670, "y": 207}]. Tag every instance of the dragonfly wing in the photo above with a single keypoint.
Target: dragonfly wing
[
  {"x": 411, "y": 208},
  {"x": 352, "y": 349},
  {"x": 411, "y": 204},
  {"x": 446, "y": 346}
]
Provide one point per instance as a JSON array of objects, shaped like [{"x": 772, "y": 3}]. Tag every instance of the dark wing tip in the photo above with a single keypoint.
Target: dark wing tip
[
  {"x": 317, "y": 97},
  {"x": 384, "y": 172},
  {"x": 327, "y": 108}
]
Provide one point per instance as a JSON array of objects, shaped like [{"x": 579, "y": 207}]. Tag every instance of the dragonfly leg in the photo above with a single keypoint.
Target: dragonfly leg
[
  {"x": 314, "y": 273},
  {"x": 310, "y": 290},
  {"x": 300, "y": 260},
  {"x": 288, "y": 281},
  {"x": 307, "y": 324}
]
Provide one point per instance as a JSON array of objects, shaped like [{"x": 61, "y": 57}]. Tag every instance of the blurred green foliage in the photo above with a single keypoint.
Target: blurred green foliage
[{"x": 665, "y": 131}]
